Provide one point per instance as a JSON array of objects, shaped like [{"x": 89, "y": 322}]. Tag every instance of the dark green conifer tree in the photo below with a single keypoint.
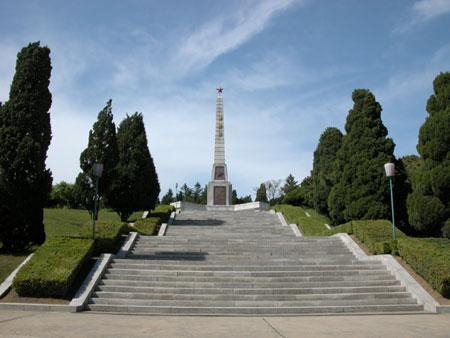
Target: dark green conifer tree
[
  {"x": 323, "y": 165},
  {"x": 261, "y": 194},
  {"x": 168, "y": 197},
  {"x": 360, "y": 190},
  {"x": 429, "y": 203},
  {"x": 136, "y": 185},
  {"x": 25, "y": 135},
  {"x": 102, "y": 148},
  {"x": 289, "y": 185}
]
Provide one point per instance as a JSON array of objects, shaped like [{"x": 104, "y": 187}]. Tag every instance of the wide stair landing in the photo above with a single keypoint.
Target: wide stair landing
[{"x": 245, "y": 263}]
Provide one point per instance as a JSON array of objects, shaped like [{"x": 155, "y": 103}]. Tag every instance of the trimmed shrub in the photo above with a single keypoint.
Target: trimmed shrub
[
  {"x": 54, "y": 268},
  {"x": 375, "y": 234},
  {"x": 430, "y": 258},
  {"x": 147, "y": 226},
  {"x": 107, "y": 235}
]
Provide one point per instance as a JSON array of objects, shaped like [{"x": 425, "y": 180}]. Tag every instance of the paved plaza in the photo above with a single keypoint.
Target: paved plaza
[{"x": 85, "y": 324}]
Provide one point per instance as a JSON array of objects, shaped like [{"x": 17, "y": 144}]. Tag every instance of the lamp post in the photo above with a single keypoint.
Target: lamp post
[
  {"x": 97, "y": 170},
  {"x": 389, "y": 168}
]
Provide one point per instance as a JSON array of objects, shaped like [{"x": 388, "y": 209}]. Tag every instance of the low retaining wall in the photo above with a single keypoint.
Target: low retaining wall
[{"x": 181, "y": 205}]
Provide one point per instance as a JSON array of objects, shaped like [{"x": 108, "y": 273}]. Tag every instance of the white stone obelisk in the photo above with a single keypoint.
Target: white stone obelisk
[{"x": 219, "y": 189}]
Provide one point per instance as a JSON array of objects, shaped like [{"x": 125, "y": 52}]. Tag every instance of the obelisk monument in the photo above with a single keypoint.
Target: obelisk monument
[{"x": 219, "y": 189}]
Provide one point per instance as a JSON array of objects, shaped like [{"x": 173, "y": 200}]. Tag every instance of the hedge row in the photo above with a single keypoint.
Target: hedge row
[
  {"x": 107, "y": 235},
  {"x": 375, "y": 234},
  {"x": 54, "y": 267},
  {"x": 430, "y": 258},
  {"x": 147, "y": 226}
]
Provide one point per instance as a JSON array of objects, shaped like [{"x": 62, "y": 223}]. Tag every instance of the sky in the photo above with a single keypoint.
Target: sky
[{"x": 288, "y": 69}]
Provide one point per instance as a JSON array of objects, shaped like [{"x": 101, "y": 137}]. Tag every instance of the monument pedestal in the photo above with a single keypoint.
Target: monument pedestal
[{"x": 219, "y": 193}]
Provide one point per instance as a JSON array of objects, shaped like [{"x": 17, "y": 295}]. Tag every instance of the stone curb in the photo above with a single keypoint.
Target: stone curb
[
  {"x": 282, "y": 220},
  {"x": 162, "y": 229},
  {"x": 126, "y": 247},
  {"x": 296, "y": 230},
  {"x": 164, "y": 226},
  {"x": 416, "y": 290},
  {"x": 6, "y": 285},
  {"x": 38, "y": 307},
  {"x": 87, "y": 288}
]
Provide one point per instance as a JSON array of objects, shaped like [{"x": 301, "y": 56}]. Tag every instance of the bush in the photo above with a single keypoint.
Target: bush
[
  {"x": 430, "y": 258},
  {"x": 375, "y": 234},
  {"x": 425, "y": 213},
  {"x": 108, "y": 235},
  {"x": 155, "y": 218},
  {"x": 54, "y": 268},
  {"x": 147, "y": 226}
]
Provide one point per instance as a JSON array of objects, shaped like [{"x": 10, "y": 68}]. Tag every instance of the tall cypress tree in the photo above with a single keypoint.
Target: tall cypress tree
[
  {"x": 25, "y": 135},
  {"x": 261, "y": 194},
  {"x": 429, "y": 204},
  {"x": 136, "y": 186},
  {"x": 360, "y": 190},
  {"x": 322, "y": 174},
  {"x": 102, "y": 148}
]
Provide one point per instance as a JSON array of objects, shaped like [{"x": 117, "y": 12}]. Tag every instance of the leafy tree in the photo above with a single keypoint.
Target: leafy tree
[
  {"x": 322, "y": 174},
  {"x": 429, "y": 203},
  {"x": 261, "y": 194},
  {"x": 273, "y": 190},
  {"x": 294, "y": 197},
  {"x": 187, "y": 193},
  {"x": 289, "y": 185},
  {"x": 62, "y": 195},
  {"x": 360, "y": 190},
  {"x": 240, "y": 200},
  {"x": 306, "y": 191},
  {"x": 234, "y": 197},
  {"x": 204, "y": 195},
  {"x": 25, "y": 135},
  {"x": 168, "y": 197},
  {"x": 102, "y": 148},
  {"x": 244, "y": 199},
  {"x": 197, "y": 192},
  {"x": 136, "y": 185}
]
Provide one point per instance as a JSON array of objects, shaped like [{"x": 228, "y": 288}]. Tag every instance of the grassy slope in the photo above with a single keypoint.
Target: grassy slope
[{"x": 309, "y": 226}]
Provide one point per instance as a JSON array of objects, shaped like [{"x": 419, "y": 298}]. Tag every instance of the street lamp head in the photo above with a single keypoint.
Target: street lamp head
[
  {"x": 389, "y": 168},
  {"x": 97, "y": 169}
]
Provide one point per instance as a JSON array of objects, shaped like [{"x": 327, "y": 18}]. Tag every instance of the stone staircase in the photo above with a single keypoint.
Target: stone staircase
[{"x": 245, "y": 263}]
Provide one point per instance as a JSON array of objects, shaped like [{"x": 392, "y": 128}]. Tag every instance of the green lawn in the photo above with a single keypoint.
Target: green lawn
[
  {"x": 309, "y": 226},
  {"x": 8, "y": 263},
  {"x": 67, "y": 222}
]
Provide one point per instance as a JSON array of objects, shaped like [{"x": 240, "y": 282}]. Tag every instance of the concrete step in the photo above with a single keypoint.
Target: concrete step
[
  {"x": 250, "y": 291},
  {"x": 137, "y": 264},
  {"x": 189, "y": 310},
  {"x": 252, "y": 284},
  {"x": 200, "y": 278},
  {"x": 261, "y": 297},
  {"x": 252, "y": 303},
  {"x": 245, "y": 263}
]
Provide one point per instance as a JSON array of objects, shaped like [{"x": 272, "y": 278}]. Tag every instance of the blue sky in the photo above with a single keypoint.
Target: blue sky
[{"x": 288, "y": 68}]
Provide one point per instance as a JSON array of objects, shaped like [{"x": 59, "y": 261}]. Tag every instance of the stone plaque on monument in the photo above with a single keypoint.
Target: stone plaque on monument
[
  {"x": 220, "y": 173},
  {"x": 220, "y": 196}
]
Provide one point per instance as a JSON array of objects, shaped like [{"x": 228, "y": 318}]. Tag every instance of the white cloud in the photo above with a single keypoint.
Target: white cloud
[
  {"x": 225, "y": 33},
  {"x": 428, "y": 9},
  {"x": 423, "y": 11}
]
